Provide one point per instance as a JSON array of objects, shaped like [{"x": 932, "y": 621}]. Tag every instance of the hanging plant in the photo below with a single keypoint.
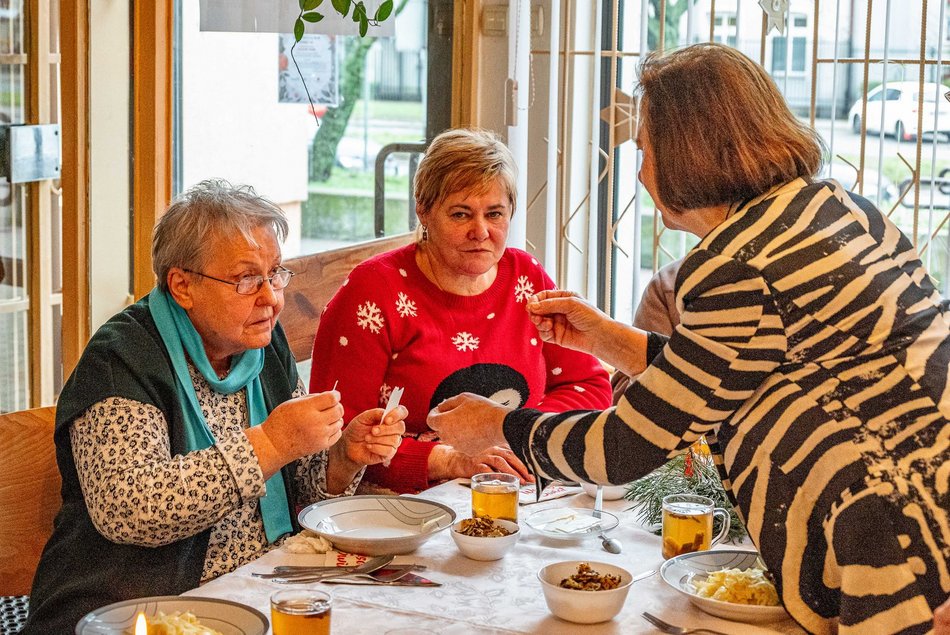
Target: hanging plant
[{"x": 690, "y": 473}]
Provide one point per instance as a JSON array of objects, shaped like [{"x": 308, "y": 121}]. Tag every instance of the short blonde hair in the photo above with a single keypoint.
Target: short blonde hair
[
  {"x": 463, "y": 159},
  {"x": 720, "y": 130}
]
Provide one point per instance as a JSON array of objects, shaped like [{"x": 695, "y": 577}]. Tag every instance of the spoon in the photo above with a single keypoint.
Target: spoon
[
  {"x": 610, "y": 545},
  {"x": 367, "y": 567}
]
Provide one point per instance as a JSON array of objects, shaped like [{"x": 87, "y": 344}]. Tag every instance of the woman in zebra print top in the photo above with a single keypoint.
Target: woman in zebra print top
[{"x": 813, "y": 352}]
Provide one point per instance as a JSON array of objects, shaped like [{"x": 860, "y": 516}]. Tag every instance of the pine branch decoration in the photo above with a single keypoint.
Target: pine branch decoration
[{"x": 689, "y": 473}]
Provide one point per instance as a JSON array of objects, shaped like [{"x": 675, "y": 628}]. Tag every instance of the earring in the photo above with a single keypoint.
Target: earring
[{"x": 425, "y": 233}]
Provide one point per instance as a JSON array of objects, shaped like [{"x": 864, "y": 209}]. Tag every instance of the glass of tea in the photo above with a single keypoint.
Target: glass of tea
[
  {"x": 300, "y": 612},
  {"x": 688, "y": 524},
  {"x": 495, "y": 495}
]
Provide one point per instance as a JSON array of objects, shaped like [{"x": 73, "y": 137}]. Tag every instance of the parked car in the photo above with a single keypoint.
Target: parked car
[{"x": 900, "y": 110}]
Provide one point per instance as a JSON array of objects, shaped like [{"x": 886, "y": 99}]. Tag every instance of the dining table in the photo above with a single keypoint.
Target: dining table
[{"x": 500, "y": 596}]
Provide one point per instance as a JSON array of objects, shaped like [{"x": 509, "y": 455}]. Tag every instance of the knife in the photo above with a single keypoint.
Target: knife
[{"x": 410, "y": 579}]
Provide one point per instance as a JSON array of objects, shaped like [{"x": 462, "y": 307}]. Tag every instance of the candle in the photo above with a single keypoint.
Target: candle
[{"x": 141, "y": 626}]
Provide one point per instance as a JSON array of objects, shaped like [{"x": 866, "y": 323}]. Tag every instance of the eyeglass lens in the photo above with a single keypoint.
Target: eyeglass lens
[{"x": 252, "y": 284}]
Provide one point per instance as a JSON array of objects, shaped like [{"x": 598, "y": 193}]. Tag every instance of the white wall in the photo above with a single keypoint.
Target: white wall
[
  {"x": 109, "y": 149},
  {"x": 233, "y": 125}
]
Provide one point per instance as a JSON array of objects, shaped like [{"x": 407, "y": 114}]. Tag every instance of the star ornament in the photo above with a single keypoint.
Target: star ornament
[{"x": 775, "y": 10}]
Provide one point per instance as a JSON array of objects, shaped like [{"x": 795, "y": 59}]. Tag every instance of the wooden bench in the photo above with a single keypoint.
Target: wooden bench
[
  {"x": 317, "y": 279},
  {"x": 29, "y": 494}
]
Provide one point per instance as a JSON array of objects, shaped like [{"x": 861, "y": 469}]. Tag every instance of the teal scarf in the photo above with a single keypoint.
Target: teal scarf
[{"x": 180, "y": 337}]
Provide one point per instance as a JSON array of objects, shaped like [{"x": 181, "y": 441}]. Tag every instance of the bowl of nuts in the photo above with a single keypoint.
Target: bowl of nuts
[
  {"x": 485, "y": 538},
  {"x": 585, "y": 592}
]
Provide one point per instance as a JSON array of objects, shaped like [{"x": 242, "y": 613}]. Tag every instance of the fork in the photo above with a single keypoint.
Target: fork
[{"x": 666, "y": 627}]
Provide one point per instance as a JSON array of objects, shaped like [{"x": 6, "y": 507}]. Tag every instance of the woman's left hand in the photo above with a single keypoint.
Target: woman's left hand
[
  {"x": 367, "y": 441},
  {"x": 453, "y": 419}
]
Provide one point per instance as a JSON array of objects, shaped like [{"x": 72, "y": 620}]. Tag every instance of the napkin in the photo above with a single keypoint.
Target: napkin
[
  {"x": 410, "y": 579},
  {"x": 566, "y": 521},
  {"x": 552, "y": 491}
]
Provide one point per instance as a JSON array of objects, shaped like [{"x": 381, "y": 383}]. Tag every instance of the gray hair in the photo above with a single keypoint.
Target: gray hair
[{"x": 208, "y": 210}]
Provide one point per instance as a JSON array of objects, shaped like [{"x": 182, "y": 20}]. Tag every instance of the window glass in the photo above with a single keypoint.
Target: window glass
[{"x": 244, "y": 115}]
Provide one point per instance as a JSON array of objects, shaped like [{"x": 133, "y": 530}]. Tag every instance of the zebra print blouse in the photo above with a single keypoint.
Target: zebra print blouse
[{"x": 813, "y": 351}]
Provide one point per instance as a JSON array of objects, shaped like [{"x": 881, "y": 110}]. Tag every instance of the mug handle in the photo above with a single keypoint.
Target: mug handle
[{"x": 724, "y": 530}]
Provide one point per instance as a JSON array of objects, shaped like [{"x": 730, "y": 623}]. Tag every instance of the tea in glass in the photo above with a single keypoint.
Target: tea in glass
[
  {"x": 688, "y": 524},
  {"x": 300, "y": 612},
  {"x": 495, "y": 495}
]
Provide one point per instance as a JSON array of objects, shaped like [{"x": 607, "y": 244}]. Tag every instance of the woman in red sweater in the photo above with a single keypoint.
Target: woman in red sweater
[{"x": 447, "y": 315}]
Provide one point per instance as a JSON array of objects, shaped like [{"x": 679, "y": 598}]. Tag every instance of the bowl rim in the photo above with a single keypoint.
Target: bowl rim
[
  {"x": 432, "y": 529},
  {"x": 592, "y": 563}
]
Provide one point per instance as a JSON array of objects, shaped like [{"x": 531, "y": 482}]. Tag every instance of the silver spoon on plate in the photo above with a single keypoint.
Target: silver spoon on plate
[{"x": 610, "y": 545}]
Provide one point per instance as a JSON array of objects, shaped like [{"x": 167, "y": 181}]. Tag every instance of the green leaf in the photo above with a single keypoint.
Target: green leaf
[
  {"x": 364, "y": 25},
  {"x": 342, "y": 6},
  {"x": 301, "y": 3},
  {"x": 309, "y": 5},
  {"x": 359, "y": 12},
  {"x": 313, "y": 16},
  {"x": 384, "y": 10},
  {"x": 298, "y": 29}
]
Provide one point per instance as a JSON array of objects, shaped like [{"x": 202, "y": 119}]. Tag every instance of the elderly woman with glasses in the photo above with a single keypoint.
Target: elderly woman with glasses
[{"x": 184, "y": 437}]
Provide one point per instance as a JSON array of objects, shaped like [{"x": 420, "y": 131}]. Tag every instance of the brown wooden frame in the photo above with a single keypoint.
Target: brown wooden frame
[
  {"x": 465, "y": 56},
  {"x": 152, "y": 38},
  {"x": 74, "y": 91}
]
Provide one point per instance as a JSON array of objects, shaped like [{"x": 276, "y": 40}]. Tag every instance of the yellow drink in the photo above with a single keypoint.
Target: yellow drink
[
  {"x": 686, "y": 527},
  {"x": 495, "y": 496},
  {"x": 300, "y": 616}
]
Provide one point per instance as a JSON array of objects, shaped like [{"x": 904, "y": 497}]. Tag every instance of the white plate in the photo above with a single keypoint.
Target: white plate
[
  {"x": 680, "y": 571},
  {"x": 227, "y": 617},
  {"x": 540, "y": 521},
  {"x": 377, "y": 525}
]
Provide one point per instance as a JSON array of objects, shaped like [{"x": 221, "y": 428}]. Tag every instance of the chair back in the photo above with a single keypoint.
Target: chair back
[{"x": 29, "y": 494}]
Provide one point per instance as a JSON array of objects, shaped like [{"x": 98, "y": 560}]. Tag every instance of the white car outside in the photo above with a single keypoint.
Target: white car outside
[{"x": 900, "y": 106}]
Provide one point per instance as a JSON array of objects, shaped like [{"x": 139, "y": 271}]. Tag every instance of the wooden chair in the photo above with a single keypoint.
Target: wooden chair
[
  {"x": 317, "y": 278},
  {"x": 29, "y": 494}
]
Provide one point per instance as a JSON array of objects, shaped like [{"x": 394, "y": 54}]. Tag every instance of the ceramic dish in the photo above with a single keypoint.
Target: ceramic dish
[
  {"x": 611, "y": 492},
  {"x": 230, "y": 618},
  {"x": 553, "y": 522},
  {"x": 377, "y": 525},
  {"x": 679, "y": 573},
  {"x": 583, "y": 607},
  {"x": 484, "y": 547}
]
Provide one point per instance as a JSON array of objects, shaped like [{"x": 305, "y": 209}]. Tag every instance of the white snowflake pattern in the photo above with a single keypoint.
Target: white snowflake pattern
[
  {"x": 343, "y": 340},
  {"x": 556, "y": 371},
  {"x": 534, "y": 262},
  {"x": 524, "y": 289},
  {"x": 368, "y": 316},
  {"x": 490, "y": 316},
  {"x": 402, "y": 272},
  {"x": 534, "y": 341},
  {"x": 345, "y": 282},
  {"x": 384, "y": 391},
  {"x": 405, "y": 306},
  {"x": 579, "y": 389},
  {"x": 465, "y": 341}
]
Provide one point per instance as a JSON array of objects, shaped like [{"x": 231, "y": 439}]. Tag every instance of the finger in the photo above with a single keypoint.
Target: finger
[
  {"x": 554, "y": 293},
  {"x": 322, "y": 400},
  {"x": 396, "y": 415},
  {"x": 334, "y": 437},
  {"x": 552, "y": 306},
  {"x": 451, "y": 403}
]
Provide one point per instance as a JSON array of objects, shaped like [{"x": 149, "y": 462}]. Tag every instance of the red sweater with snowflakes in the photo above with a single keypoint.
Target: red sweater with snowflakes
[{"x": 389, "y": 326}]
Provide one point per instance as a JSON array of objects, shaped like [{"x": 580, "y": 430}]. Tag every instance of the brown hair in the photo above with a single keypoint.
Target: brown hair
[
  {"x": 720, "y": 130},
  {"x": 462, "y": 159}
]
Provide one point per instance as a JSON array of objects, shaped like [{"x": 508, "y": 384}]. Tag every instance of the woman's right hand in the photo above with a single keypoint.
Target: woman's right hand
[
  {"x": 566, "y": 319},
  {"x": 445, "y": 462},
  {"x": 296, "y": 428}
]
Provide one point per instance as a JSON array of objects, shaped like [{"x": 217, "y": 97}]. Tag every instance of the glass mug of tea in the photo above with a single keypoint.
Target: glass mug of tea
[
  {"x": 495, "y": 495},
  {"x": 688, "y": 524},
  {"x": 300, "y": 612}
]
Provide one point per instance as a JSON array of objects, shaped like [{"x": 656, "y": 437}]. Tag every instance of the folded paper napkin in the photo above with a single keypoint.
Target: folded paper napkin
[
  {"x": 563, "y": 520},
  {"x": 552, "y": 491},
  {"x": 307, "y": 542}
]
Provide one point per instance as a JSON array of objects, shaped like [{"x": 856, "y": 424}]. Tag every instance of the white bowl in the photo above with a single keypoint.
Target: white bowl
[
  {"x": 611, "y": 492},
  {"x": 486, "y": 548},
  {"x": 583, "y": 607},
  {"x": 377, "y": 525}
]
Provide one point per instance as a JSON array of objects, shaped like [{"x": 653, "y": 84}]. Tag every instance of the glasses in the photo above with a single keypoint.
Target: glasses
[{"x": 249, "y": 285}]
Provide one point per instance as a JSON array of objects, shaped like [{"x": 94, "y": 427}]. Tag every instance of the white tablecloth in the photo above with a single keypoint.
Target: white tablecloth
[{"x": 503, "y": 596}]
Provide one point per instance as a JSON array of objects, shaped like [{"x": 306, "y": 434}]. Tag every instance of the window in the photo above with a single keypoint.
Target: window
[
  {"x": 244, "y": 115},
  {"x": 798, "y": 30},
  {"x": 724, "y": 30}
]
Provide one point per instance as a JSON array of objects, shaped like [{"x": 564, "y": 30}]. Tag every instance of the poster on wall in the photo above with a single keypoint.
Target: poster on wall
[
  {"x": 279, "y": 16},
  {"x": 316, "y": 56}
]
